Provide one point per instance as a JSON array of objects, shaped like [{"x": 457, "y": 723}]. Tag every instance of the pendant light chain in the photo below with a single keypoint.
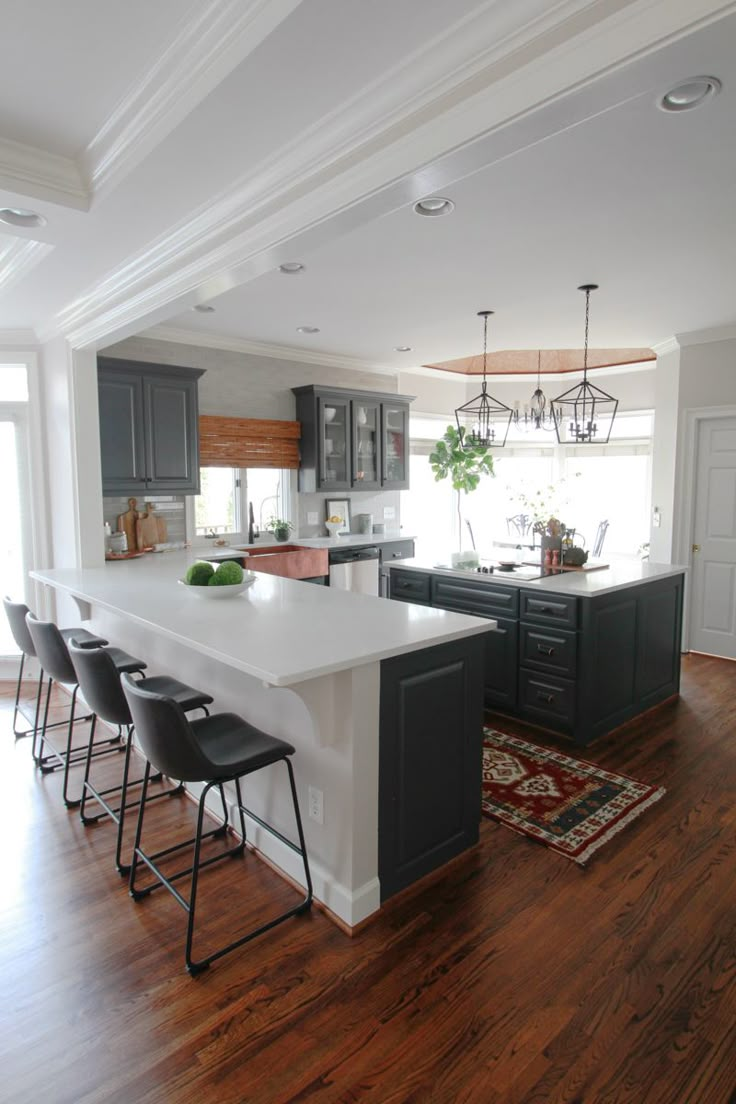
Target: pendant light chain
[
  {"x": 485, "y": 347},
  {"x": 587, "y": 323}
]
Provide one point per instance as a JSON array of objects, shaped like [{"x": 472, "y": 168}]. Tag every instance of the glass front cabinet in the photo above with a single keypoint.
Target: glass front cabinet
[{"x": 352, "y": 440}]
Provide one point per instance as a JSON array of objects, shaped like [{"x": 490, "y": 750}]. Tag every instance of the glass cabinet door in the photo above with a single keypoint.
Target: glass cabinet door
[
  {"x": 395, "y": 446},
  {"x": 334, "y": 444},
  {"x": 366, "y": 444}
]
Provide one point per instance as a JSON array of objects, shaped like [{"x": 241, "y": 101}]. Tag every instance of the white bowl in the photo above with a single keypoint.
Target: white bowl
[
  {"x": 333, "y": 528},
  {"x": 230, "y": 591}
]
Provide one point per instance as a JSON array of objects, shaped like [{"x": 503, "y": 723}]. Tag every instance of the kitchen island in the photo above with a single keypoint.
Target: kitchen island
[
  {"x": 580, "y": 652},
  {"x": 383, "y": 702}
]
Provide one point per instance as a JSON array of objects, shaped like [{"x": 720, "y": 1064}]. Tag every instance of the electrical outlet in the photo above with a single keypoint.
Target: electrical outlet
[
  {"x": 312, "y": 518},
  {"x": 389, "y": 513},
  {"x": 656, "y": 517},
  {"x": 316, "y": 805}
]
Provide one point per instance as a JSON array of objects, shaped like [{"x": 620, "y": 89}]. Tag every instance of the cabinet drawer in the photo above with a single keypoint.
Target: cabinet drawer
[
  {"x": 549, "y": 609},
  {"x": 547, "y": 698},
  {"x": 410, "y": 586},
  {"x": 549, "y": 650},
  {"x": 480, "y": 599},
  {"x": 396, "y": 550}
]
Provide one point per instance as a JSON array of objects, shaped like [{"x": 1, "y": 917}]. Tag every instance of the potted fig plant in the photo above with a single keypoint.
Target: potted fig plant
[
  {"x": 464, "y": 464},
  {"x": 280, "y": 528}
]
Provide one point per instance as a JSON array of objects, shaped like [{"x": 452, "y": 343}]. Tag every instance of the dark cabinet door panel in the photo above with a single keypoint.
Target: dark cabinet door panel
[
  {"x": 430, "y": 766},
  {"x": 172, "y": 439},
  {"x": 121, "y": 434},
  {"x": 502, "y": 665},
  {"x": 607, "y": 665},
  {"x": 658, "y": 641}
]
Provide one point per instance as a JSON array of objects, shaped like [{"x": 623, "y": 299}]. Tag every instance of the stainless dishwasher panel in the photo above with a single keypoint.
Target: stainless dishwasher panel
[{"x": 355, "y": 569}]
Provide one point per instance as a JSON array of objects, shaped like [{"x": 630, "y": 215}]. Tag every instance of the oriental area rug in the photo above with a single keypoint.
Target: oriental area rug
[{"x": 572, "y": 806}]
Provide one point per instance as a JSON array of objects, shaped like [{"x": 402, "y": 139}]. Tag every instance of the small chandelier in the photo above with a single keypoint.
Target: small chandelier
[
  {"x": 536, "y": 415},
  {"x": 483, "y": 421},
  {"x": 584, "y": 414}
]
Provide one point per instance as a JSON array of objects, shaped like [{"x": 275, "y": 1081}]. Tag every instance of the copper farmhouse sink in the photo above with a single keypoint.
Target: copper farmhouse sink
[{"x": 288, "y": 560}]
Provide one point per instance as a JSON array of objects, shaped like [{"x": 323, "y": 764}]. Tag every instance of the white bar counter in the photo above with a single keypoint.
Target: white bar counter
[{"x": 300, "y": 661}]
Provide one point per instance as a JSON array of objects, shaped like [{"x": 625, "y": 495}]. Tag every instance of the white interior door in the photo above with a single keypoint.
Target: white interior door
[{"x": 713, "y": 608}]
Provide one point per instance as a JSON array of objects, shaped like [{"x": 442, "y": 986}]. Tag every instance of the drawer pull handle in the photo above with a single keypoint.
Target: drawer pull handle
[
  {"x": 545, "y": 650},
  {"x": 548, "y": 698}
]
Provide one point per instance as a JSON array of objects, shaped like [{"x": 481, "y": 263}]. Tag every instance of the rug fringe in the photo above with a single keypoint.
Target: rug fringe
[{"x": 632, "y": 814}]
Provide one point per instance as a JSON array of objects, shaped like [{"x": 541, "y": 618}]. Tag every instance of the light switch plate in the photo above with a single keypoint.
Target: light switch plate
[
  {"x": 389, "y": 513},
  {"x": 312, "y": 518}
]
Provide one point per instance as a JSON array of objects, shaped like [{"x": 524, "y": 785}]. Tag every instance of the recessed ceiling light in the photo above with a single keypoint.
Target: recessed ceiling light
[
  {"x": 402, "y": 348},
  {"x": 307, "y": 329},
  {"x": 204, "y": 308},
  {"x": 690, "y": 93},
  {"x": 433, "y": 206},
  {"x": 291, "y": 268},
  {"x": 19, "y": 216}
]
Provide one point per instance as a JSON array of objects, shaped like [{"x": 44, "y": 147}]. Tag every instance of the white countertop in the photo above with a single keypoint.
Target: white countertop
[
  {"x": 279, "y": 630},
  {"x": 584, "y": 584}
]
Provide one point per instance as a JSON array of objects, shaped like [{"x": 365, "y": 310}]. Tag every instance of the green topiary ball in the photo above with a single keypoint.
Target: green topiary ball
[
  {"x": 227, "y": 574},
  {"x": 199, "y": 574}
]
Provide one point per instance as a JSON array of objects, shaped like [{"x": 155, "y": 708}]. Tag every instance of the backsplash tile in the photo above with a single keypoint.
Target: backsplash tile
[{"x": 170, "y": 507}]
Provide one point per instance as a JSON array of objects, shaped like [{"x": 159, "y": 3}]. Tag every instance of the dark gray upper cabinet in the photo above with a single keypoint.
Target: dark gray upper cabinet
[
  {"x": 149, "y": 437},
  {"x": 352, "y": 440}
]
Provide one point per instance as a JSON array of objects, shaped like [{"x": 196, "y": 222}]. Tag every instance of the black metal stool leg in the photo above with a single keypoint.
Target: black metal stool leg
[
  {"x": 68, "y": 757},
  {"x": 28, "y": 731},
  {"x": 39, "y": 757},
  {"x": 85, "y": 781}
]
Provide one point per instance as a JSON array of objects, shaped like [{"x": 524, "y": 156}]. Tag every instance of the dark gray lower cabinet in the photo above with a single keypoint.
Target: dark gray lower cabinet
[
  {"x": 430, "y": 759},
  {"x": 580, "y": 666}
]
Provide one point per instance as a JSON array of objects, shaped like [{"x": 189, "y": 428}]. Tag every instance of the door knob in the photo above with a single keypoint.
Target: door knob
[{"x": 696, "y": 548}]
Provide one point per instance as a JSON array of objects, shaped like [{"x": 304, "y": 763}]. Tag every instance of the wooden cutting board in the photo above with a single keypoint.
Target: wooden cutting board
[
  {"x": 127, "y": 524},
  {"x": 147, "y": 529}
]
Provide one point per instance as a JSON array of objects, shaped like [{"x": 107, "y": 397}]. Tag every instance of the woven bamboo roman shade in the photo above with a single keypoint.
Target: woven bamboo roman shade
[{"x": 248, "y": 443}]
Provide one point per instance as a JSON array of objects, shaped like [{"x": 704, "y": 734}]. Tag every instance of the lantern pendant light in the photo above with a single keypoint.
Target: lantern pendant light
[
  {"x": 483, "y": 422},
  {"x": 536, "y": 415},
  {"x": 584, "y": 414}
]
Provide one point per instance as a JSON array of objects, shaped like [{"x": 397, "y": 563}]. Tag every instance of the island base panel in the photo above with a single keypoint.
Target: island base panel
[{"x": 430, "y": 760}]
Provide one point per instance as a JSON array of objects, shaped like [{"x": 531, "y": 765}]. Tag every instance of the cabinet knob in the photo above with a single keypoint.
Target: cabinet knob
[
  {"x": 545, "y": 650},
  {"x": 548, "y": 698}
]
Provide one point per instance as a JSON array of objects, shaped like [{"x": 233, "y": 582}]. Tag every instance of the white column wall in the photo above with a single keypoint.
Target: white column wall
[
  {"x": 71, "y": 419},
  {"x": 664, "y": 456}
]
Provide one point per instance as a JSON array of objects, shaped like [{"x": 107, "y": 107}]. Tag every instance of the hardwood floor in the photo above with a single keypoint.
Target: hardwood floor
[{"x": 516, "y": 977}]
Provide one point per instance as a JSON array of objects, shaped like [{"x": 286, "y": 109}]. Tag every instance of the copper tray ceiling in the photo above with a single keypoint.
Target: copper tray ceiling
[{"x": 516, "y": 362}]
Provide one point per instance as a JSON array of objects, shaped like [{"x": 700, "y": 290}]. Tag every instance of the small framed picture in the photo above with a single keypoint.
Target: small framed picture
[{"x": 339, "y": 507}]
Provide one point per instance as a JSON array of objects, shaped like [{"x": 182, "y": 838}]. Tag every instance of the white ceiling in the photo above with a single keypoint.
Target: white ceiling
[{"x": 313, "y": 130}]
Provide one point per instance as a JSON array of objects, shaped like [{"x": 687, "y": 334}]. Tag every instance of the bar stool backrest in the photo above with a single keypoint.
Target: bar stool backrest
[
  {"x": 16, "y": 614},
  {"x": 165, "y": 735},
  {"x": 99, "y": 682},
  {"x": 51, "y": 650}
]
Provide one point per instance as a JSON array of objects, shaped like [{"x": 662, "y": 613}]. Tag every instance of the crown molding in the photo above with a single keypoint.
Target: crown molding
[
  {"x": 257, "y": 348},
  {"x": 11, "y": 339},
  {"x": 216, "y": 38},
  {"x": 28, "y": 171},
  {"x": 704, "y": 337},
  {"x": 17, "y": 257},
  {"x": 448, "y": 95},
  {"x": 670, "y": 345}
]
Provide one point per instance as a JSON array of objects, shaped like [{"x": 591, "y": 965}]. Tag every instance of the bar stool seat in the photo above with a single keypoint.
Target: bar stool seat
[
  {"x": 53, "y": 654},
  {"x": 98, "y": 674},
  {"x": 214, "y": 750}
]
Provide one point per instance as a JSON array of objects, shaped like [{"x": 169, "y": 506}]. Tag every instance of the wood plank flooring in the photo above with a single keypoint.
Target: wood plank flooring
[{"x": 515, "y": 977}]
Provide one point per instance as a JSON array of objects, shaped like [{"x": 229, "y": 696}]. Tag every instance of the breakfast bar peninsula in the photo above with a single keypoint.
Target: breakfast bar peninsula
[{"x": 382, "y": 700}]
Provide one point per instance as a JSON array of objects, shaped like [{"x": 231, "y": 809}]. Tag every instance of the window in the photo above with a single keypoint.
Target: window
[
  {"x": 222, "y": 505},
  {"x": 15, "y": 534},
  {"x": 583, "y": 485}
]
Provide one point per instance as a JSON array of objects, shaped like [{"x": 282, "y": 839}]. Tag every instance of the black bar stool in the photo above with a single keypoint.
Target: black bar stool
[
  {"x": 99, "y": 681},
  {"x": 214, "y": 750},
  {"x": 53, "y": 655},
  {"x": 16, "y": 614}
]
